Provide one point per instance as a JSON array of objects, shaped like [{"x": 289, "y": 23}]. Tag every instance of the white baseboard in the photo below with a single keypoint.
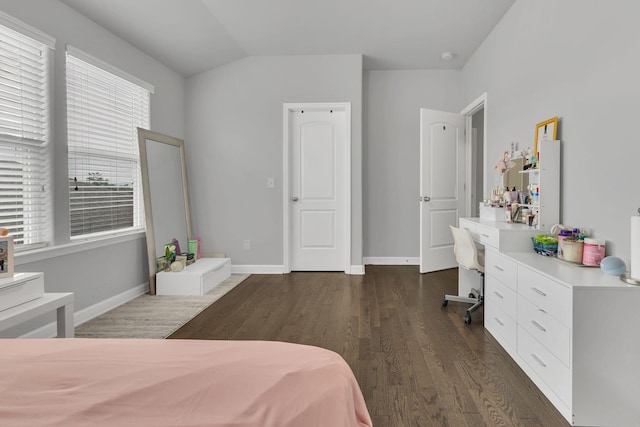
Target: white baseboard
[
  {"x": 391, "y": 260},
  {"x": 50, "y": 330},
  {"x": 257, "y": 269},
  {"x": 357, "y": 269},
  {"x": 279, "y": 269}
]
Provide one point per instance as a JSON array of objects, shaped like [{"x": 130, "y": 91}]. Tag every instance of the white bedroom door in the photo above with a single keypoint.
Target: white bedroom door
[
  {"x": 318, "y": 189},
  {"x": 442, "y": 178}
]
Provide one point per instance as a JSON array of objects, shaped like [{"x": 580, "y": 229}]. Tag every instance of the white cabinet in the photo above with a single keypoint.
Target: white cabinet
[
  {"x": 196, "y": 279},
  {"x": 574, "y": 334}
]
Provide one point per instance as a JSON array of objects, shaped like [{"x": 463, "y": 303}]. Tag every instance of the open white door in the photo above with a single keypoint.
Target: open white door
[{"x": 442, "y": 176}]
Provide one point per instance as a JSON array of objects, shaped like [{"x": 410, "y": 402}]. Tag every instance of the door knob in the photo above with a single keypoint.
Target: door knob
[
  {"x": 294, "y": 199},
  {"x": 426, "y": 198}
]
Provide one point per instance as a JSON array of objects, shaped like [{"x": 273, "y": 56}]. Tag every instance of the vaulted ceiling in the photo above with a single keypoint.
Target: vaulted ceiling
[{"x": 192, "y": 36}]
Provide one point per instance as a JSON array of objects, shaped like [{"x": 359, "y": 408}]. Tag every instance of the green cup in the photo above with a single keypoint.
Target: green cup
[{"x": 193, "y": 247}]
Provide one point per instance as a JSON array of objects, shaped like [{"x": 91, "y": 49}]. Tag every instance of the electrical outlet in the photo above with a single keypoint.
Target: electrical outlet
[{"x": 247, "y": 245}]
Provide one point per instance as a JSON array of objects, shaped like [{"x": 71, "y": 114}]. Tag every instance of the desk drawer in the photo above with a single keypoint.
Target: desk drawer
[
  {"x": 546, "y": 294},
  {"x": 502, "y": 326},
  {"x": 470, "y": 226},
  {"x": 555, "y": 336},
  {"x": 502, "y": 268},
  {"x": 501, "y": 295},
  {"x": 550, "y": 369},
  {"x": 488, "y": 236}
]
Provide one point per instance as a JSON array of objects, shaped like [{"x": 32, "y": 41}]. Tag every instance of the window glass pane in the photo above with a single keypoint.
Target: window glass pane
[
  {"x": 25, "y": 203},
  {"x": 103, "y": 114}
]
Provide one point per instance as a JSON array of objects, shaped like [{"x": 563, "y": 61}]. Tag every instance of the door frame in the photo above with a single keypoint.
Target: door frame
[
  {"x": 288, "y": 108},
  {"x": 476, "y": 105}
]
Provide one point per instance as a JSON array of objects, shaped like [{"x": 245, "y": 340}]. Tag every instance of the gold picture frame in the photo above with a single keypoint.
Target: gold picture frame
[
  {"x": 545, "y": 131},
  {"x": 6, "y": 256}
]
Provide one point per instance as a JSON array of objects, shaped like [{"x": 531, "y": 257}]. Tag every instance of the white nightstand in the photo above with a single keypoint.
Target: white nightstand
[{"x": 61, "y": 302}]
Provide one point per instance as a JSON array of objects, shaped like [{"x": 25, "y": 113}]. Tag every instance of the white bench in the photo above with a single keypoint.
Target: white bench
[{"x": 196, "y": 279}]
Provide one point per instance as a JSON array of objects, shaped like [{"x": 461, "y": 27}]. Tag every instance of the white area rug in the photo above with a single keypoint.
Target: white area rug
[{"x": 155, "y": 316}]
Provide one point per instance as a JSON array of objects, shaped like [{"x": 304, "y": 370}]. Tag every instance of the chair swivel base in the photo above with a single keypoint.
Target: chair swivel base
[{"x": 474, "y": 298}]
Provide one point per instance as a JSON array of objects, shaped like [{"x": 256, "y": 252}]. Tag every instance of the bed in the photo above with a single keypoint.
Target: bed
[{"x": 135, "y": 382}]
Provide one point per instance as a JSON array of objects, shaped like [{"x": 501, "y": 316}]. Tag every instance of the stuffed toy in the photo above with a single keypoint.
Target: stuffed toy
[{"x": 504, "y": 164}]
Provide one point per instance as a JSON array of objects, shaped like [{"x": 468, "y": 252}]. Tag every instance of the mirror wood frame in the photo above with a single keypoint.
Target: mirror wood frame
[{"x": 144, "y": 136}]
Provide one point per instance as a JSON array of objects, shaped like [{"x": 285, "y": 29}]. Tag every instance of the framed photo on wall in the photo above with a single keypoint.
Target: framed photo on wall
[
  {"x": 6, "y": 256},
  {"x": 545, "y": 131}
]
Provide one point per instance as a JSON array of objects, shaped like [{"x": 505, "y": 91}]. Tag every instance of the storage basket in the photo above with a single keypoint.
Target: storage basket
[{"x": 543, "y": 245}]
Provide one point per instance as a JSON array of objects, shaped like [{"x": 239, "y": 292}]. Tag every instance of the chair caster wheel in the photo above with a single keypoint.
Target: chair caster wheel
[
  {"x": 467, "y": 320},
  {"x": 444, "y": 302},
  {"x": 471, "y": 295}
]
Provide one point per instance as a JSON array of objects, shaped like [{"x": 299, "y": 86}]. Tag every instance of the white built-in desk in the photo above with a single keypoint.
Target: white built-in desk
[
  {"x": 196, "y": 279},
  {"x": 493, "y": 236},
  {"x": 572, "y": 329},
  {"x": 500, "y": 235}
]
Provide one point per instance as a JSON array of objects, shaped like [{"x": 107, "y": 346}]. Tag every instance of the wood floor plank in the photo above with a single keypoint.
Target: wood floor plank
[{"x": 416, "y": 363}]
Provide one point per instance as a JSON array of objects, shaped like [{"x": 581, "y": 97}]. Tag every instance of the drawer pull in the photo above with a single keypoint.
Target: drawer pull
[
  {"x": 538, "y": 291},
  {"x": 498, "y": 294},
  {"x": 542, "y": 311},
  {"x": 538, "y": 325},
  {"x": 537, "y": 359},
  {"x": 497, "y": 267},
  {"x": 467, "y": 228},
  {"x": 499, "y": 321},
  {"x": 485, "y": 235}
]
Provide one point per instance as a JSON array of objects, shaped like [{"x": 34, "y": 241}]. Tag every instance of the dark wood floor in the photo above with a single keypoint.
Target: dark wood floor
[{"x": 417, "y": 364}]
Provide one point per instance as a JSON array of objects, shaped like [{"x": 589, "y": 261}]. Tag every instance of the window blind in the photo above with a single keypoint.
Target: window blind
[
  {"x": 103, "y": 113},
  {"x": 25, "y": 204}
]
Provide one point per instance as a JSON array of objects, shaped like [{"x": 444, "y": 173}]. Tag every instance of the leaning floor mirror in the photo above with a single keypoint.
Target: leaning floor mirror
[{"x": 166, "y": 195}]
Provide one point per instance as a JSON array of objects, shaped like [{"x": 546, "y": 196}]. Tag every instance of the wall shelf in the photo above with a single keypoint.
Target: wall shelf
[{"x": 547, "y": 178}]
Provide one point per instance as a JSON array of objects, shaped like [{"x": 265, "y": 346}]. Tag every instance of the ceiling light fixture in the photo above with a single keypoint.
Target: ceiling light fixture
[{"x": 447, "y": 56}]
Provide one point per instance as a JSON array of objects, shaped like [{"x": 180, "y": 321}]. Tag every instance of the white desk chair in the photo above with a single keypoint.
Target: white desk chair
[{"x": 470, "y": 257}]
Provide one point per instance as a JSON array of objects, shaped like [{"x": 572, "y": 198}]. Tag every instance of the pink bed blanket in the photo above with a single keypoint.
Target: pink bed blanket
[{"x": 97, "y": 382}]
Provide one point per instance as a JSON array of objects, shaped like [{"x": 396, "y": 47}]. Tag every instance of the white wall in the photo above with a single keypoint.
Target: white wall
[
  {"x": 93, "y": 272},
  {"x": 391, "y": 154},
  {"x": 234, "y": 142},
  {"x": 577, "y": 60}
]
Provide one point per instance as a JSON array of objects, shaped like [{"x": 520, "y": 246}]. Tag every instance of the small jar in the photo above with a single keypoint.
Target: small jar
[
  {"x": 563, "y": 235},
  {"x": 593, "y": 251},
  {"x": 572, "y": 250}
]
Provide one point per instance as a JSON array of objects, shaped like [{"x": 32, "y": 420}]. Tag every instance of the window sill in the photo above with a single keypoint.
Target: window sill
[{"x": 74, "y": 247}]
